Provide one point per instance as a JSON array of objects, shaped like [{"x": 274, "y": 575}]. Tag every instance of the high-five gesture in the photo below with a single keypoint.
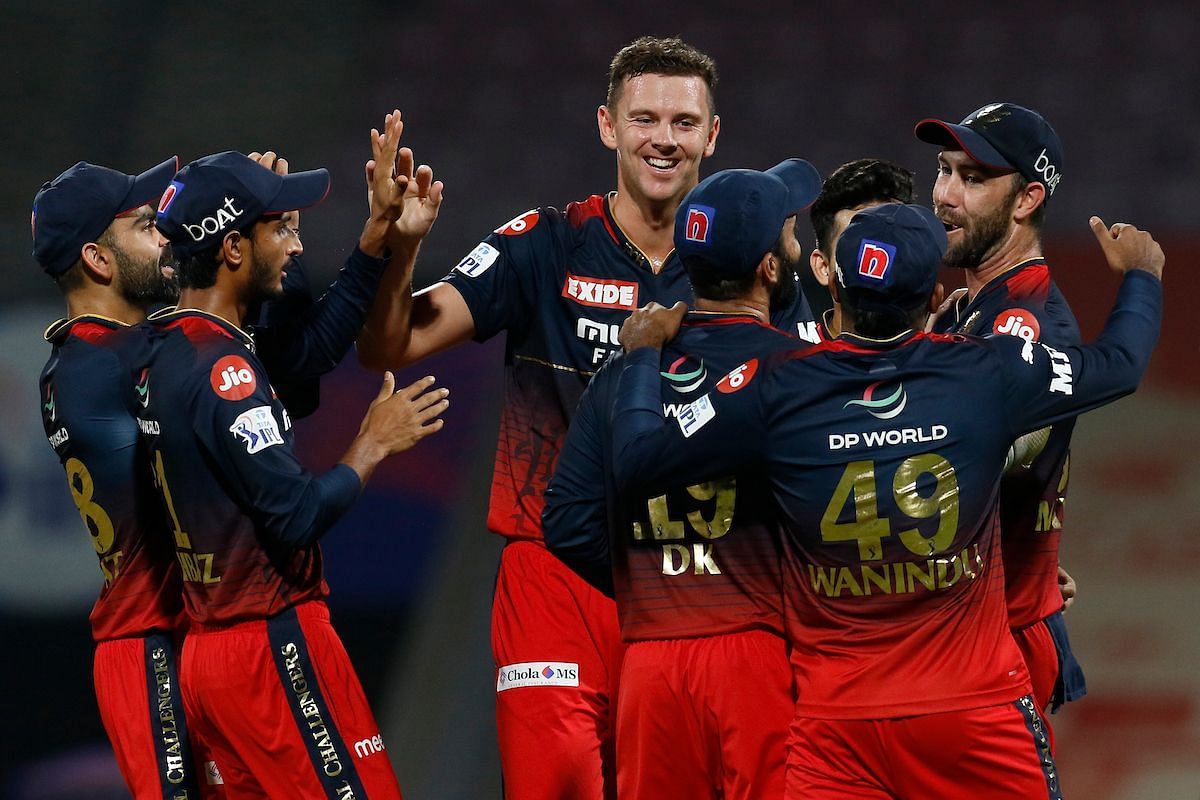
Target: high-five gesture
[{"x": 385, "y": 185}]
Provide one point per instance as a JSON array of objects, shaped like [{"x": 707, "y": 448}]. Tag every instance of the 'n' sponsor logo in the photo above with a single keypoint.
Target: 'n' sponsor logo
[
  {"x": 142, "y": 387},
  {"x": 537, "y": 673},
  {"x": 168, "y": 196},
  {"x": 886, "y": 407},
  {"x": 601, "y": 293},
  {"x": 521, "y": 224},
  {"x": 1018, "y": 322},
  {"x": 685, "y": 374},
  {"x": 874, "y": 259},
  {"x": 738, "y": 378},
  {"x": 478, "y": 260},
  {"x": 232, "y": 378},
  {"x": 699, "y": 223},
  {"x": 256, "y": 429}
]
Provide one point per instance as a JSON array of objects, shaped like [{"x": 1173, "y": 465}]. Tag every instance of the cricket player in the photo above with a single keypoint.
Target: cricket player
[
  {"x": 94, "y": 233},
  {"x": 696, "y": 568},
  {"x": 997, "y": 171},
  {"x": 884, "y": 450},
  {"x": 264, "y": 676},
  {"x": 560, "y": 283}
]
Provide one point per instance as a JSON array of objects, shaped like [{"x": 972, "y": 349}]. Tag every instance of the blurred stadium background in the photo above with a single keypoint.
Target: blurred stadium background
[{"x": 501, "y": 101}]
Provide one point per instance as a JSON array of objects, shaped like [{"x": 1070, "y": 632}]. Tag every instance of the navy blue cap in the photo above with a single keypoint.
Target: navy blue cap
[
  {"x": 734, "y": 217},
  {"x": 1003, "y": 136},
  {"x": 888, "y": 257},
  {"x": 224, "y": 192},
  {"x": 78, "y": 206}
]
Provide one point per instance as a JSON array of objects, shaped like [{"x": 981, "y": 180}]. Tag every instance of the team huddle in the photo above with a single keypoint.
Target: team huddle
[{"x": 750, "y": 552}]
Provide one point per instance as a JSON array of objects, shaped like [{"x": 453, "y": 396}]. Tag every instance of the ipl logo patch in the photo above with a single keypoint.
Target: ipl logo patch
[
  {"x": 256, "y": 429},
  {"x": 874, "y": 259},
  {"x": 699, "y": 221}
]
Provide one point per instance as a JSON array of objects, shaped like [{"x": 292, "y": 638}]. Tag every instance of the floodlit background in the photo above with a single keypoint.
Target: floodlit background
[{"x": 501, "y": 101}]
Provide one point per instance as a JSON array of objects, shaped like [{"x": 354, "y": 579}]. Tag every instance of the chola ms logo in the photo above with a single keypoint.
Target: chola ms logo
[
  {"x": 683, "y": 377},
  {"x": 874, "y": 258},
  {"x": 699, "y": 220},
  {"x": 884, "y": 407},
  {"x": 142, "y": 387}
]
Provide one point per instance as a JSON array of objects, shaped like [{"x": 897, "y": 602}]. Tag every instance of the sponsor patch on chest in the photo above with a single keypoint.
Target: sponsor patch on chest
[{"x": 601, "y": 293}]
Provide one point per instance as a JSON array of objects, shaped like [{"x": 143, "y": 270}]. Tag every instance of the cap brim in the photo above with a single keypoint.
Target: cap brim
[
  {"x": 150, "y": 185},
  {"x": 960, "y": 137},
  {"x": 299, "y": 190},
  {"x": 803, "y": 182}
]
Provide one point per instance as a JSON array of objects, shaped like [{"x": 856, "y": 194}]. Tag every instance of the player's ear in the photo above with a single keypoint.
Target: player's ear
[
  {"x": 935, "y": 299},
  {"x": 819, "y": 266},
  {"x": 607, "y": 126},
  {"x": 97, "y": 262},
  {"x": 768, "y": 270},
  {"x": 1029, "y": 200},
  {"x": 710, "y": 146},
  {"x": 233, "y": 249}
]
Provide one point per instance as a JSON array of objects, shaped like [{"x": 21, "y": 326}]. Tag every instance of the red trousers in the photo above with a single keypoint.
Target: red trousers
[
  {"x": 1041, "y": 659},
  {"x": 282, "y": 710},
  {"x": 992, "y": 753},
  {"x": 557, "y": 647},
  {"x": 704, "y": 718}
]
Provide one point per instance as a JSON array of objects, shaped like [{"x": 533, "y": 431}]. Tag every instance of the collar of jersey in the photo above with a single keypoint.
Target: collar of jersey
[
  {"x": 172, "y": 313},
  {"x": 623, "y": 239},
  {"x": 722, "y": 318},
  {"x": 60, "y": 327},
  {"x": 879, "y": 344},
  {"x": 994, "y": 284}
]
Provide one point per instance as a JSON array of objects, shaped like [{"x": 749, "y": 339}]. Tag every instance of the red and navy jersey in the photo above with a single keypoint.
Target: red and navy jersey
[
  {"x": 88, "y": 409},
  {"x": 243, "y": 513},
  {"x": 682, "y": 559},
  {"x": 885, "y": 459},
  {"x": 1026, "y": 303},
  {"x": 560, "y": 283}
]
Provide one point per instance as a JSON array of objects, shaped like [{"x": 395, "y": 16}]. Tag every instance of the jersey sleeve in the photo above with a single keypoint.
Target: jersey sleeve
[
  {"x": 1045, "y": 385},
  {"x": 498, "y": 279},
  {"x": 242, "y": 432},
  {"x": 575, "y": 517},
  {"x": 297, "y": 338}
]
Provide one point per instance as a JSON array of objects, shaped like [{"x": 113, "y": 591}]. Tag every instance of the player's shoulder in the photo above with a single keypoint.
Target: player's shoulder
[{"x": 1030, "y": 306}]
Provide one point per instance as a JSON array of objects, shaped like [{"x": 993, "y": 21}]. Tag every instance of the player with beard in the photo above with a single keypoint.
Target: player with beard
[
  {"x": 94, "y": 233},
  {"x": 559, "y": 284},
  {"x": 695, "y": 568},
  {"x": 997, "y": 171},
  {"x": 264, "y": 678}
]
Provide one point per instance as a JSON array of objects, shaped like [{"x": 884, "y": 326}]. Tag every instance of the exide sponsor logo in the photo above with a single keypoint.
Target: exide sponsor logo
[{"x": 601, "y": 293}]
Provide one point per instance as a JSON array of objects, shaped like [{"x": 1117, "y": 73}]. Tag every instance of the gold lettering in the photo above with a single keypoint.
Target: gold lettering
[
  {"x": 872, "y": 578},
  {"x": 925, "y": 578}
]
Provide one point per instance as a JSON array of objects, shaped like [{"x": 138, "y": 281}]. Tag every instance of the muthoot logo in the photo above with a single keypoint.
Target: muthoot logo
[{"x": 881, "y": 407}]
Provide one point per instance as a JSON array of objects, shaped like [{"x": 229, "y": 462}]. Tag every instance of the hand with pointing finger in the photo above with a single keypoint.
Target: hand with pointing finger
[{"x": 1125, "y": 247}]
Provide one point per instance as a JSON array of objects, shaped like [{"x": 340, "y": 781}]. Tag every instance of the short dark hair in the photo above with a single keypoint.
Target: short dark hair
[
  {"x": 199, "y": 270},
  {"x": 660, "y": 56},
  {"x": 882, "y": 324},
  {"x": 866, "y": 180},
  {"x": 73, "y": 278},
  {"x": 711, "y": 284},
  {"x": 1038, "y": 217}
]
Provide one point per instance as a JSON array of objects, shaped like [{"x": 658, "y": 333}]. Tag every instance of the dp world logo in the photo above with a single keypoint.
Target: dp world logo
[
  {"x": 881, "y": 407},
  {"x": 684, "y": 375}
]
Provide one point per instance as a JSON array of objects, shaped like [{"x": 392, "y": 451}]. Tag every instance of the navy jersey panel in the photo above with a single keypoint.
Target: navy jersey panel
[
  {"x": 245, "y": 512},
  {"x": 560, "y": 283},
  {"x": 885, "y": 460},
  {"x": 87, "y": 406},
  {"x": 1026, "y": 303},
  {"x": 299, "y": 339},
  {"x": 687, "y": 558}
]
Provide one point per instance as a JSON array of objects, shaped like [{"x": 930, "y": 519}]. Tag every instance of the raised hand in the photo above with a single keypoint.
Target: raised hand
[{"x": 1125, "y": 247}]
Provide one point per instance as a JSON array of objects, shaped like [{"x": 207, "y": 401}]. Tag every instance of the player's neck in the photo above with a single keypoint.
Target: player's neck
[
  {"x": 1018, "y": 248},
  {"x": 103, "y": 301},
  {"x": 216, "y": 300},
  {"x": 649, "y": 224},
  {"x": 756, "y": 307},
  {"x": 833, "y": 322}
]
